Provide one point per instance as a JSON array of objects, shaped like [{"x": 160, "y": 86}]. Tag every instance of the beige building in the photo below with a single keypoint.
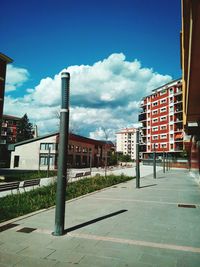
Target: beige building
[{"x": 126, "y": 142}]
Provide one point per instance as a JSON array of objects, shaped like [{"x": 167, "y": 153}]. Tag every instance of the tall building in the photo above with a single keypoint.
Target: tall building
[
  {"x": 126, "y": 142},
  {"x": 4, "y": 60},
  {"x": 9, "y": 129},
  {"x": 162, "y": 120}
]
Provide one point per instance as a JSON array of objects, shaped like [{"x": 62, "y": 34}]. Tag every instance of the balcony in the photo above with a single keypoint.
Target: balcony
[{"x": 142, "y": 117}]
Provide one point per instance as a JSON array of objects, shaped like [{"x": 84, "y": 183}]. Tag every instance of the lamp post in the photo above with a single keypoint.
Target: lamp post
[
  {"x": 91, "y": 160},
  {"x": 154, "y": 161},
  {"x": 137, "y": 160},
  {"x": 163, "y": 161},
  {"x": 62, "y": 156}
]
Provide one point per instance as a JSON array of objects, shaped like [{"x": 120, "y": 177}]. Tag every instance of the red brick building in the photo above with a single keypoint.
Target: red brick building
[
  {"x": 162, "y": 120},
  {"x": 9, "y": 129}
]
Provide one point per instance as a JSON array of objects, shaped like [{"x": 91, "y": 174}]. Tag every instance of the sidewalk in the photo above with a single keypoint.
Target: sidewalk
[{"x": 119, "y": 226}]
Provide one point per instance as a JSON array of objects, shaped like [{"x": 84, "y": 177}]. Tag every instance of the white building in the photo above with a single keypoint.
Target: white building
[
  {"x": 34, "y": 154},
  {"x": 126, "y": 142}
]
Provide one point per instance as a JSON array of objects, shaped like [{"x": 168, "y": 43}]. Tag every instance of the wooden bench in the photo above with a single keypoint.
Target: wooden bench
[
  {"x": 79, "y": 175},
  {"x": 9, "y": 186},
  {"x": 87, "y": 173},
  {"x": 32, "y": 182}
]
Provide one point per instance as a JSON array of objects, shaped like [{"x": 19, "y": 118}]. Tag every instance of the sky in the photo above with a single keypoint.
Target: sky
[{"x": 116, "y": 51}]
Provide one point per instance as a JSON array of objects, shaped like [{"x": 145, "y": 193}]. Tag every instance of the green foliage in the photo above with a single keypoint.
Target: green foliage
[
  {"x": 21, "y": 176},
  {"x": 25, "y": 129},
  {"x": 112, "y": 160},
  {"x": 124, "y": 158},
  {"x": 12, "y": 206}
]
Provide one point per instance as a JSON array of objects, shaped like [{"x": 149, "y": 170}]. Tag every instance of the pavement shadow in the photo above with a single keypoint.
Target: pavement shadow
[
  {"x": 73, "y": 228},
  {"x": 148, "y": 185}
]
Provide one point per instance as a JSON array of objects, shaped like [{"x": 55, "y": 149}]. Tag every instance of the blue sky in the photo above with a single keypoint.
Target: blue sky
[{"x": 44, "y": 37}]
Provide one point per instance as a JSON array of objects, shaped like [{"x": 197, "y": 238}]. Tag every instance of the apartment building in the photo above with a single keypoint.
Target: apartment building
[
  {"x": 126, "y": 142},
  {"x": 9, "y": 129},
  {"x": 4, "y": 60},
  {"x": 161, "y": 116}
]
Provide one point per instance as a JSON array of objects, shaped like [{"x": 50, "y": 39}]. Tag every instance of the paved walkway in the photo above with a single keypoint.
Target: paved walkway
[{"x": 120, "y": 226}]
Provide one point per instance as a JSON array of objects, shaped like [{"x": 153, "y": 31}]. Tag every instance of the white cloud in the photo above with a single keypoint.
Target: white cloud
[
  {"x": 105, "y": 94},
  {"x": 15, "y": 77}
]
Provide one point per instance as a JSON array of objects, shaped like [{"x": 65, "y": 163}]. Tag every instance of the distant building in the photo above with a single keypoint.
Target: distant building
[
  {"x": 162, "y": 120},
  {"x": 126, "y": 142},
  {"x": 9, "y": 129},
  {"x": 37, "y": 152},
  {"x": 4, "y": 60}
]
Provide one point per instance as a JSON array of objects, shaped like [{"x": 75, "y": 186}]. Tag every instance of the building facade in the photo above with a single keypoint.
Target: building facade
[
  {"x": 4, "y": 60},
  {"x": 161, "y": 116},
  {"x": 38, "y": 153},
  {"x": 9, "y": 129},
  {"x": 126, "y": 142},
  {"x": 190, "y": 63}
]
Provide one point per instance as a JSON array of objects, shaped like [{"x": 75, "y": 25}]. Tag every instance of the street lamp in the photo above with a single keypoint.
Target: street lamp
[
  {"x": 154, "y": 161},
  {"x": 137, "y": 167}
]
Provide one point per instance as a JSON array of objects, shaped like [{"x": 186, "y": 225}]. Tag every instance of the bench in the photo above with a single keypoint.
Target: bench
[
  {"x": 32, "y": 182},
  {"x": 9, "y": 186},
  {"x": 87, "y": 173},
  {"x": 79, "y": 175}
]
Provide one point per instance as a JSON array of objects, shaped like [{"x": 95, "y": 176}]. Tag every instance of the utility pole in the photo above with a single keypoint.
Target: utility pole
[
  {"x": 154, "y": 161},
  {"x": 137, "y": 167},
  {"x": 62, "y": 156}
]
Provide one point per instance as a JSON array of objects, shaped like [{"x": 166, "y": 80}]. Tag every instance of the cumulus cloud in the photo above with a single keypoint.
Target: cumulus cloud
[
  {"x": 15, "y": 77},
  {"x": 105, "y": 94}
]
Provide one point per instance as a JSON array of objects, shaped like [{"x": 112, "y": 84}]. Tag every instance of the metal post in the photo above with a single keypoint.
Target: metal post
[
  {"x": 48, "y": 162},
  {"x": 163, "y": 161},
  {"x": 91, "y": 160},
  {"x": 137, "y": 160},
  {"x": 167, "y": 166},
  {"x": 62, "y": 157},
  {"x": 154, "y": 161}
]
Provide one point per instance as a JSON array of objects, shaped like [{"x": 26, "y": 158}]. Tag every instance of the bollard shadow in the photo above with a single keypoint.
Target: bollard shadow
[
  {"x": 148, "y": 185},
  {"x": 73, "y": 228}
]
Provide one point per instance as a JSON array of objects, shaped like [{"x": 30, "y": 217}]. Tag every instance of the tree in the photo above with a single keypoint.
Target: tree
[{"x": 25, "y": 129}]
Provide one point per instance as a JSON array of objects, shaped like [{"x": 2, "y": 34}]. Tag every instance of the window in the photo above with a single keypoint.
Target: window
[
  {"x": 171, "y": 90},
  {"x": 163, "y": 92},
  {"x": 45, "y": 158},
  {"x": 155, "y": 112},
  {"x": 171, "y": 127},
  {"x": 155, "y": 104},
  {"x": 163, "y": 127},
  {"x": 164, "y": 118},
  {"x": 155, "y": 137},
  {"x": 154, "y": 129},
  {"x": 163, "y": 145},
  {"x": 163, "y": 109},
  {"x": 162, "y": 101},
  {"x": 163, "y": 136},
  {"x": 155, "y": 120},
  {"x": 47, "y": 146},
  {"x": 171, "y": 146}
]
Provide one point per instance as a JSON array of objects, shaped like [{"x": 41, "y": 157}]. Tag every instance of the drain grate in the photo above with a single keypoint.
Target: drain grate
[
  {"x": 8, "y": 226},
  {"x": 27, "y": 230},
  {"x": 186, "y": 206}
]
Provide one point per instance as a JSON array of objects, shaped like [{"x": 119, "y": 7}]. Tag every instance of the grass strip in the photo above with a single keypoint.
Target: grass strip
[{"x": 16, "y": 205}]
